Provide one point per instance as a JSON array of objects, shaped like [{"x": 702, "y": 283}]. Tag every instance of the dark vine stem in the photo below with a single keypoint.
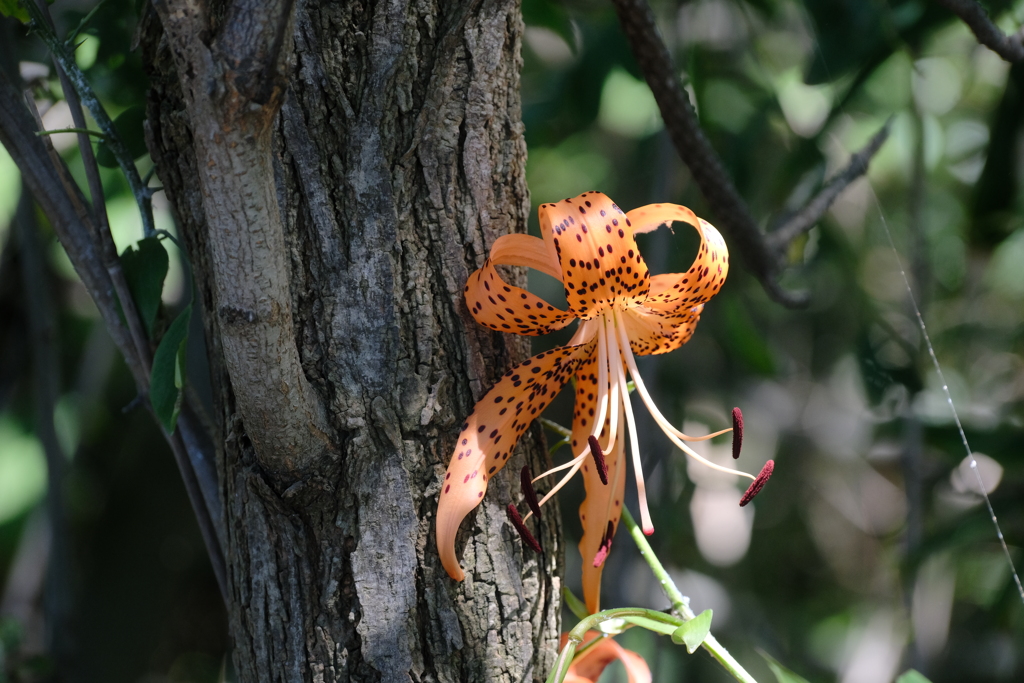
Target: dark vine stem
[{"x": 764, "y": 255}]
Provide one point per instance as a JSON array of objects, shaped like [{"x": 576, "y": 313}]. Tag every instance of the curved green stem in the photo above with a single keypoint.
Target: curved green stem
[{"x": 680, "y": 603}]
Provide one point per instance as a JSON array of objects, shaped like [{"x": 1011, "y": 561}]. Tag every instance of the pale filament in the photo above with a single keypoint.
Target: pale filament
[
  {"x": 602, "y": 400},
  {"x": 671, "y": 432},
  {"x": 638, "y": 473},
  {"x": 613, "y": 343}
]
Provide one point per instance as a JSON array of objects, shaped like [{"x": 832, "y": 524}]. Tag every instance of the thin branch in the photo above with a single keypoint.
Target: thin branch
[
  {"x": 92, "y": 174},
  {"x": 48, "y": 179},
  {"x": 86, "y": 131},
  {"x": 65, "y": 59},
  {"x": 806, "y": 218},
  {"x": 731, "y": 212},
  {"x": 1010, "y": 48},
  {"x": 762, "y": 256}
]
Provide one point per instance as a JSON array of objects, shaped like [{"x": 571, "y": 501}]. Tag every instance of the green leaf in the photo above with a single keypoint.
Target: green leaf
[
  {"x": 145, "y": 268},
  {"x": 551, "y": 16},
  {"x": 574, "y": 604},
  {"x": 912, "y": 676},
  {"x": 782, "y": 674},
  {"x": 130, "y": 132},
  {"x": 168, "y": 375},
  {"x": 692, "y": 633},
  {"x": 13, "y": 8},
  {"x": 652, "y": 625}
]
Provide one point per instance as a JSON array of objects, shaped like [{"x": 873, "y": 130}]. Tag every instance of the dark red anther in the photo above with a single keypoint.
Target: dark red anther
[
  {"x": 595, "y": 450},
  {"x": 737, "y": 432},
  {"x": 524, "y": 533},
  {"x": 606, "y": 545},
  {"x": 758, "y": 484},
  {"x": 526, "y": 479}
]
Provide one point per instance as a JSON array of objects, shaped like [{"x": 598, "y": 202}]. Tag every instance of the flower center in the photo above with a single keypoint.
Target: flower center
[{"x": 614, "y": 358}]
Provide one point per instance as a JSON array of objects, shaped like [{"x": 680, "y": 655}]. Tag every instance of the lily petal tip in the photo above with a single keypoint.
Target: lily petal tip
[{"x": 758, "y": 483}]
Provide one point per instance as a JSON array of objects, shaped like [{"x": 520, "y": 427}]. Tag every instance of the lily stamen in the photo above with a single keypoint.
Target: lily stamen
[
  {"x": 759, "y": 482},
  {"x": 599, "y": 463},
  {"x": 524, "y": 533},
  {"x": 529, "y": 493},
  {"x": 737, "y": 432},
  {"x": 671, "y": 432}
]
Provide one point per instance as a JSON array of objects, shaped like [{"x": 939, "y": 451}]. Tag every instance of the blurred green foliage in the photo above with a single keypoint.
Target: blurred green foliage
[{"x": 867, "y": 554}]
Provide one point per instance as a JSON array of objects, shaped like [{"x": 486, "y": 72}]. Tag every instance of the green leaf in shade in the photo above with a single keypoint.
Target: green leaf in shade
[
  {"x": 692, "y": 633},
  {"x": 745, "y": 341},
  {"x": 168, "y": 375},
  {"x": 552, "y": 16},
  {"x": 12, "y": 8},
  {"x": 129, "y": 129},
  {"x": 574, "y": 604},
  {"x": 782, "y": 674},
  {"x": 145, "y": 267},
  {"x": 912, "y": 676}
]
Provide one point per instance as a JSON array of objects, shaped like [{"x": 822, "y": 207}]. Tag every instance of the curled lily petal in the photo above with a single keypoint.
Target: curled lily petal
[
  {"x": 591, "y": 663},
  {"x": 489, "y": 435},
  {"x": 600, "y": 261},
  {"x": 506, "y": 308}
]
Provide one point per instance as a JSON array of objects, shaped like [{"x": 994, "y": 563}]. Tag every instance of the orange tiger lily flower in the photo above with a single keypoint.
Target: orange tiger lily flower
[
  {"x": 588, "y": 666},
  {"x": 589, "y": 245}
]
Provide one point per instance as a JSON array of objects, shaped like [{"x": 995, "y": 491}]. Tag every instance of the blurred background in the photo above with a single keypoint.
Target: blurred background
[{"x": 870, "y": 551}]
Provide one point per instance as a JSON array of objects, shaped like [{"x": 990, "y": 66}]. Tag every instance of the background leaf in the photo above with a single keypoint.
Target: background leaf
[
  {"x": 145, "y": 268},
  {"x": 12, "y": 8},
  {"x": 129, "y": 125},
  {"x": 782, "y": 674},
  {"x": 168, "y": 371}
]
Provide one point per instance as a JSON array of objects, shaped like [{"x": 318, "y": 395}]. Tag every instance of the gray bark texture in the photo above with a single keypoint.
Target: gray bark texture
[{"x": 337, "y": 172}]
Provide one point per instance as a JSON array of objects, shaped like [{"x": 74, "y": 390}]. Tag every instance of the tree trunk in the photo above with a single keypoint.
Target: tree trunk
[{"x": 337, "y": 172}]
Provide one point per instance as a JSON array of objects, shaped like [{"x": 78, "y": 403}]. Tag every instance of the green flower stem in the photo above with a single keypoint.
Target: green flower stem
[
  {"x": 680, "y": 603},
  {"x": 576, "y": 635}
]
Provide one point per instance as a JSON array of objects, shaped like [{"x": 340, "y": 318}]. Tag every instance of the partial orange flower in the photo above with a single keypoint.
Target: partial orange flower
[
  {"x": 588, "y": 666},
  {"x": 588, "y": 244}
]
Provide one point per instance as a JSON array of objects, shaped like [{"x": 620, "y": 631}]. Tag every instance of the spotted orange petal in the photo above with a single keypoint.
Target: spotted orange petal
[
  {"x": 591, "y": 663},
  {"x": 599, "y": 259},
  {"x": 601, "y": 506},
  {"x": 675, "y": 294},
  {"x": 490, "y": 434},
  {"x": 655, "y": 333},
  {"x": 506, "y": 308}
]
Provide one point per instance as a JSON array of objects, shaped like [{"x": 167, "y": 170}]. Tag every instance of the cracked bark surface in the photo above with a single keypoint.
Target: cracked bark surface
[{"x": 397, "y": 158}]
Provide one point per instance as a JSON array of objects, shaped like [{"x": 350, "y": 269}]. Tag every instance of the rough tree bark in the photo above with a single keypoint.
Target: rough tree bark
[{"x": 337, "y": 171}]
